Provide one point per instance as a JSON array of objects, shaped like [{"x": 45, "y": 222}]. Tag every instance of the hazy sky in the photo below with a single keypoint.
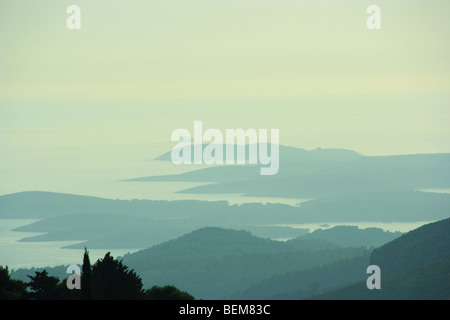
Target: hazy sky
[{"x": 137, "y": 70}]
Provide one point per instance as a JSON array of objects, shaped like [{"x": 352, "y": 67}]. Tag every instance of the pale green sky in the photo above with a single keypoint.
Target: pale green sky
[{"x": 137, "y": 70}]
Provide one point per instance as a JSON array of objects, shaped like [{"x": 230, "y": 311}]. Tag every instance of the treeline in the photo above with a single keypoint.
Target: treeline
[{"x": 107, "y": 279}]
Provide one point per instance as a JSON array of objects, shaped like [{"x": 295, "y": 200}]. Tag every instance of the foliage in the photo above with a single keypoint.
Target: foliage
[
  {"x": 43, "y": 286},
  {"x": 107, "y": 279},
  {"x": 86, "y": 276},
  {"x": 112, "y": 280},
  {"x": 167, "y": 293},
  {"x": 11, "y": 289}
]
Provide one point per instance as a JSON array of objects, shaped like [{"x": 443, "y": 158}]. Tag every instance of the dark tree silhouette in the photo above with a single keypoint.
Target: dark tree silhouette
[
  {"x": 43, "y": 287},
  {"x": 11, "y": 289},
  {"x": 86, "y": 277},
  {"x": 167, "y": 293},
  {"x": 107, "y": 279},
  {"x": 112, "y": 280}
]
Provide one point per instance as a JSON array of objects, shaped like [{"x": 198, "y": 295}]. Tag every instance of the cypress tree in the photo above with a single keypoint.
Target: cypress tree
[{"x": 86, "y": 277}]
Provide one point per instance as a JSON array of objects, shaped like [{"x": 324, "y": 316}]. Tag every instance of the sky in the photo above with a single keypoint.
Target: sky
[{"x": 138, "y": 70}]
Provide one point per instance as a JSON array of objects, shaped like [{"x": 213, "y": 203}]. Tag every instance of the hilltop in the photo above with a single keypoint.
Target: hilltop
[{"x": 212, "y": 263}]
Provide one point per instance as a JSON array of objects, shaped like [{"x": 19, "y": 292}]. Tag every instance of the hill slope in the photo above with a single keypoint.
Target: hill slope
[
  {"x": 413, "y": 266},
  {"x": 427, "y": 282},
  {"x": 301, "y": 284},
  {"x": 421, "y": 246},
  {"x": 212, "y": 263}
]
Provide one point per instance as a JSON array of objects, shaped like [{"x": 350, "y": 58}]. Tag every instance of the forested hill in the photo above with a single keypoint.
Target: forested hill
[
  {"x": 422, "y": 246},
  {"x": 212, "y": 263},
  {"x": 413, "y": 266}
]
